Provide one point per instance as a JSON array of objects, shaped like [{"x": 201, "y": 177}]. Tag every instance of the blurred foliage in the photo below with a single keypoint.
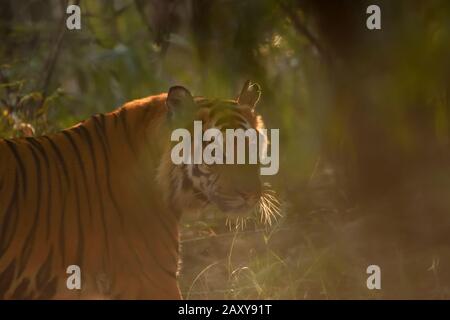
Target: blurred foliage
[{"x": 364, "y": 116}]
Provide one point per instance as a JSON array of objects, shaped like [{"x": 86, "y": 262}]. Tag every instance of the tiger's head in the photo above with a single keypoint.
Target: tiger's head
[{"x": 234, "y": 189}]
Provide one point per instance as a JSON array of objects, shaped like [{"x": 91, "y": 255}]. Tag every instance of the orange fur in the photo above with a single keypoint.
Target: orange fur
[{"x": 110, "y": 220}]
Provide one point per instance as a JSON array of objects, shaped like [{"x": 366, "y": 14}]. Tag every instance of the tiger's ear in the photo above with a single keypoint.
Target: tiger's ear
[
  {"x": 181, "y": 105},
  {"x": 250, "y": 94}
]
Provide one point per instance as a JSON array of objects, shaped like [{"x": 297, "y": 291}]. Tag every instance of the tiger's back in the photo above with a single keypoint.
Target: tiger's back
[{"x": 77, "y": 197}]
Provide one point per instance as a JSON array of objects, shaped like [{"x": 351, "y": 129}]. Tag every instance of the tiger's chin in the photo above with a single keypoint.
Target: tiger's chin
[
  {"x": 224, "y": 205},
  {"x": 240, "y": 211}
]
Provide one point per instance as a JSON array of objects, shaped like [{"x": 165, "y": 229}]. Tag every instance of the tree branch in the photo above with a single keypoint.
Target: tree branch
[
  {"x": 53, "y": 57},
  {"x": 301, "y": 28}
]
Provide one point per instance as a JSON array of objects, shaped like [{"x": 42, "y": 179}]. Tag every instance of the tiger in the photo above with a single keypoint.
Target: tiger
[{"x": 105, "y": 196}]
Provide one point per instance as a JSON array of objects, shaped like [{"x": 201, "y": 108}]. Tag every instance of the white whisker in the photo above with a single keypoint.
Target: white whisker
[{"x": 269, "y": 206}]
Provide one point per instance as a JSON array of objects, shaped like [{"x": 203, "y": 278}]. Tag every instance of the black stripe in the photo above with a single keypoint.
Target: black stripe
[
  {"x": 83, "y": 171},
  {"x": 123, "y": 118},
  {"x": 61, "y": 160},
  {"x": 77, "y": 198},
  {"x": 152, "y": 256},
  {"x": 43, "y": 153},
  {"x": 105, "y": 134},
  {"x": 162, "y": 217},
  {"x": 100, "y": 129},
  {"x": 144, "y": 269},
  {"x": 29, "y": 241},
  {"x": 45, "y": 272},
  {"x": 195, "y": 171},
  {"x": 167, "y": 229},
  {"x": 82, "y": 130},
  {"x": 187, "y": 183},
  {"x": 9, "y": 228},
  {"x": 23, "y": 173},
  {"x": 21, "y": 290},
  {"x": 174, "y": 187},
  {"x": 49, "y": 291},
  {"x": 204, "y": 103},
  {"x": 6, "y": 278},
  {"x": 116, "y": 116},
  {"x": 221, "y": 107},
  {"x": 80, "y": 231},
  {"x": 101, "y": 133},
  {"x": 224, "y": 123},
  {"x": 64, "y": 196},
  {"x": 231, "y": 122}
]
